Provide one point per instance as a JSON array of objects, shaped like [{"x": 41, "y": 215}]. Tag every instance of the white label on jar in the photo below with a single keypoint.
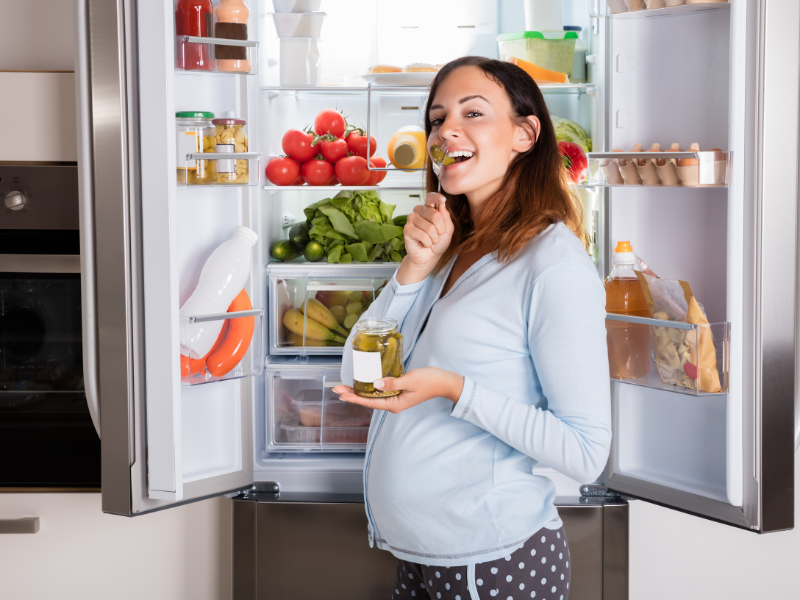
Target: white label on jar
[
  {"x": 186, "y": 145},
  {"x": 366, "y": 366},
  {"x": 228, "y": 165}
]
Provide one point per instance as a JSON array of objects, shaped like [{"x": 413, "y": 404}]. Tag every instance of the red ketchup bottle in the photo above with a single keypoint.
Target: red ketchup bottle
[{"x": 194, "y": 17}]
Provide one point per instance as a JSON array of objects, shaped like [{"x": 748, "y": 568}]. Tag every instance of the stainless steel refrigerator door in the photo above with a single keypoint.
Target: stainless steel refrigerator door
[
  {"x": 768, "y": 184},
  {"x": 128, "y": 213}
]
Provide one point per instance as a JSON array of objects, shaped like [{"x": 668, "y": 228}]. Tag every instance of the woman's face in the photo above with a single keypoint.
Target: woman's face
[{"x": 472, "y": 118}]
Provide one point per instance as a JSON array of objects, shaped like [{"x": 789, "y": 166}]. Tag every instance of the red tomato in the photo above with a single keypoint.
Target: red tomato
[
  {"x": 297, "y": 145},
  {"x": 329, "y": 121},
  {"x": 374, "y": 176},
  {"x": 282, "y": 171},
  {"x": 379, "y": 162},
  {"x": 574, "y": 161},
  {"x": 333, "y": 151},
  {"x": 333, "y": 181},
  {"x": 299, "y": 180},
  {"x": 316, "y": 172},
  {"x": 352, "y": 170},
  {"x": 357, "y": 143}
]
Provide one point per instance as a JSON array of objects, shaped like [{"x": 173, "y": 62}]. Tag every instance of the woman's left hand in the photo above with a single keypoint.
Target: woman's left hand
[{"x": 418, "y": 385}]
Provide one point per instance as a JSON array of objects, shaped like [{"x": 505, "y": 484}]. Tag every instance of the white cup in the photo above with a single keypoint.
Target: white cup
[
  {"x": 543, "y": 15},
  {"x": 299, "y": 24},
  {"x": 299, "y": 62}
]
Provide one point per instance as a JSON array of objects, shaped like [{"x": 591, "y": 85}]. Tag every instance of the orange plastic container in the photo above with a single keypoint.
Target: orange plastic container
[{"x": 628, "y": 343}]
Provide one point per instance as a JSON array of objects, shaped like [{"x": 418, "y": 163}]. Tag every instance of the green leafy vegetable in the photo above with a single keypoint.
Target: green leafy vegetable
[{"x": 570, "y": 131}]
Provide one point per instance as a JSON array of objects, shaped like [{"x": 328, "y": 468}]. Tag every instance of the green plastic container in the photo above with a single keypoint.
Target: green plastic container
[{"x": 554, "y": 50}]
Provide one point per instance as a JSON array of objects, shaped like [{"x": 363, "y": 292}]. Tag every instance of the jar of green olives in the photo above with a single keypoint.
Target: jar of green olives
[{"x": 377, "y": 353}]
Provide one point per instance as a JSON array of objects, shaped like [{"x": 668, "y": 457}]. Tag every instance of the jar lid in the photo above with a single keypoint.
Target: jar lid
[
  {"x": 229, "y": 122},
  {"x": 191, "y": 114}
]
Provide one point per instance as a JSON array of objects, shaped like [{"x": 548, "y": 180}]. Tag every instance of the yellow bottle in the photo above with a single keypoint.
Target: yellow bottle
[
  {"x": 628, "y": 343},
  {"x": 408, "y": 148}
]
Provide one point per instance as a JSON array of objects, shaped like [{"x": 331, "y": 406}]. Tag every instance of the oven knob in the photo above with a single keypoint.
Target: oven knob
[{"x": 16, "y": 200}]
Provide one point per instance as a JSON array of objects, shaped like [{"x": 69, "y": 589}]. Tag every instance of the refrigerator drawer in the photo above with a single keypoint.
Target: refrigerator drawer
[
  {"x": 305, "y": 415},
  {"x": 311, "y": 310}
]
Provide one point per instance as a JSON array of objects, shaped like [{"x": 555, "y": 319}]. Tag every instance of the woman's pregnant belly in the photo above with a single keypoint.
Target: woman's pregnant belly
[{"x": 428, "y": 473}]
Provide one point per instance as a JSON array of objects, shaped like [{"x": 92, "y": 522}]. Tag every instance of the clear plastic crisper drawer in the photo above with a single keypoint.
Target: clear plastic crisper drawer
[
  {"x": 669, "y": 355},
  {"x": 305, "y": 415},
  {"x": 660, "y": 169},
  {"x": 313, "y": 308},
  {"x": 238, "y": 350}
]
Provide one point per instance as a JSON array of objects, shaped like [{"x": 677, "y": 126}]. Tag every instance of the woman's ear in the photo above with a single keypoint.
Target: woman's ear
[{"x": 527, "y": 133}]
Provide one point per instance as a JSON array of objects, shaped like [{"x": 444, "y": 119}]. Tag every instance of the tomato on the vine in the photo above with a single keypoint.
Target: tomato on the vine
[
  {"x": 282, "y": 171},
  {"x": 379, "y": 162},
  {"x": 332, "y": 151},
  {"x": 352, "y": 170},
  {"x": 374, "y": 176},
  {"x": 330, "y": 121},
  {"x": 316, "y": 172},
  {"x": 297, "y": 145},
  {"x": 357, "y": 143}
]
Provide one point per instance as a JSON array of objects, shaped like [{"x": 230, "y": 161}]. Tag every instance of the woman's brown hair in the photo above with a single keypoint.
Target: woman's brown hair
[{"x": 535, "y": 193}]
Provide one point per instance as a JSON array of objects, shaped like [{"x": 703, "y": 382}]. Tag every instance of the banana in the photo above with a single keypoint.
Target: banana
[
  {"x": 293, "y": 321},
  {"x": 316, "y": 310}
]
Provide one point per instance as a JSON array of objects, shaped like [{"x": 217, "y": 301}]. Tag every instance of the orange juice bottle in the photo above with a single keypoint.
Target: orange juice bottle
[
  {"x": 628, "y": 343},
  {"x": 407, "y": 148}
]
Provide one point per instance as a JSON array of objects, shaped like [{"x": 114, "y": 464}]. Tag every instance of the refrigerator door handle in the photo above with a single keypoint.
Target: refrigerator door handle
[{"x": 86, "y": 208}]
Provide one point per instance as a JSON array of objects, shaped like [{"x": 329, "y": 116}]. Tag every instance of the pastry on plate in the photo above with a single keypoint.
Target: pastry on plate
[
  {"x": 384, "y": 69},
  {"x": 419, "y": 67}
]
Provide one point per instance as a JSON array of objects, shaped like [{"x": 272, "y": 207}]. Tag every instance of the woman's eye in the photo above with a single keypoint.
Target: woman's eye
[
  {"x": 474, "y": 113},
  {"x": 436, "y": 122}
]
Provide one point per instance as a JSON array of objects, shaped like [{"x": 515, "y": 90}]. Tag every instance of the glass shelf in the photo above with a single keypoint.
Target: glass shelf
[
  {"x": 273, "y": 91},
  {"x": 686, "y": 7},
  {"x": 220, "y": 169},
  {"x": 274, "y": 189},
  {"x": 251, "y": 361},
  {"x": 187, "y": 46},
  {"x": 671, "y": 359},
  {"x": 659, "y": 169}
]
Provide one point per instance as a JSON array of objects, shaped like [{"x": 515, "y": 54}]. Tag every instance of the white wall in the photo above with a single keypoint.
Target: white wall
[{"x": 79, "y": 552}]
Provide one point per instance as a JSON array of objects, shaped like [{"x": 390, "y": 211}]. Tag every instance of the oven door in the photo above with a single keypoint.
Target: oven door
[{"x": 47, "y": 438}]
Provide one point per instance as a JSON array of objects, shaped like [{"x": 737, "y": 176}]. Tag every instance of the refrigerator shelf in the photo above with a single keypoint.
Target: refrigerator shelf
[
  {"x": 685, "y": 8},
  {"x": 274, "y": 91},
  {"x": 246, "y": 66},
  {"x": 274, "y": 189},
  {"x": 659, "y": 169},
  {"x": 305, "y": 415},
  {"x": 251, "y": 362},
  {"x": 203, "y": 169},
  {"x": 670, "y": 361}
]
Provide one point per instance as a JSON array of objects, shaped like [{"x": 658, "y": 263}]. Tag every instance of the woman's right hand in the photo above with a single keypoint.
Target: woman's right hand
[{"x": 427, "y": 235}]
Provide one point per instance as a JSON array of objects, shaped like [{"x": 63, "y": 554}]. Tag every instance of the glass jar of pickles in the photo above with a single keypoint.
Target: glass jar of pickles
[
  {"x": 229, "y": 136},
  {"x": 194, "y": 134},
  {"x": 377, "y": 352}
]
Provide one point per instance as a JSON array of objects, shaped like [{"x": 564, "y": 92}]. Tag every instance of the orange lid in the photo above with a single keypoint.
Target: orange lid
[{"x": 623, "y": 247}]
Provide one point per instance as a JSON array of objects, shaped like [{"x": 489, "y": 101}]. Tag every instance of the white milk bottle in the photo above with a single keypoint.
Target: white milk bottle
[{"x": 222, "y": 278}]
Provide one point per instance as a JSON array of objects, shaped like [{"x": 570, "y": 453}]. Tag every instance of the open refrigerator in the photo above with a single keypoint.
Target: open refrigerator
[{"x": 721, "y": 74}]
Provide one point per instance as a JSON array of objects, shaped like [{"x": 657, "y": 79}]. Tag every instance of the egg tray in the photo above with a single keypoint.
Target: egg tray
[{"x": 660, "y": 169}]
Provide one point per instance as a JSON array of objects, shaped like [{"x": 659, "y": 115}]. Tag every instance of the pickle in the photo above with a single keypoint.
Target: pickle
[
  {"x": 389, "y": 356},
  {"x": 366, "y": 343}
]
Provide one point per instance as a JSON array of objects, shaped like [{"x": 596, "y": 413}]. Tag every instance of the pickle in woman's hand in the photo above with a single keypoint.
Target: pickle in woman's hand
[{"x": 377, "y": 353}]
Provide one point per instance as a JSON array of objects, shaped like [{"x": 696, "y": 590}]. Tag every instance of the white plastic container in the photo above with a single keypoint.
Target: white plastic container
[
  {"x": 297, "y": 24},
  {"x": 299, "y": 62},
  {"x": 222, "y": 278},
  {"x": 543, "y": 15},
  {"x": 296, "y": 6}
]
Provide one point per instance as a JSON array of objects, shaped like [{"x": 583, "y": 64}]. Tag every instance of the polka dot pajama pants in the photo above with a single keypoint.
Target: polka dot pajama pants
[{"x": 540, "y": 569}]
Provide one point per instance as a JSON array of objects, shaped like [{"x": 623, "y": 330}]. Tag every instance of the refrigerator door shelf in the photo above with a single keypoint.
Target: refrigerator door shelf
[
  {"x": 188, "y": 46},
  {"x": 408, "y": 90},
  {"x": 669, "y": 8},
  {"x": 220, "y": 169},
  {"x": 305, "y": 415},
  {"x": 233, "y": 345},
  {"x": 345, "y": 292},
  {"x": 673, "y": 348},
  {"x": 335, "y": 189},
  {"x": 660, "y": 169}
]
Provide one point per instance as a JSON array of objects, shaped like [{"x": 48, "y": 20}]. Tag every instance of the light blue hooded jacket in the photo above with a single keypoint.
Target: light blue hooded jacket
[{"x": 451, "y": 484}]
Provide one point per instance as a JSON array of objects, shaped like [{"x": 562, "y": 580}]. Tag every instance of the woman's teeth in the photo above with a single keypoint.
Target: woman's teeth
[{"x": 461, "y": 155}]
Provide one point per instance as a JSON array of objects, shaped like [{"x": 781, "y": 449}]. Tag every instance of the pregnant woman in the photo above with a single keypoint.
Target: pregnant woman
[{"x": 502, "y": 313}]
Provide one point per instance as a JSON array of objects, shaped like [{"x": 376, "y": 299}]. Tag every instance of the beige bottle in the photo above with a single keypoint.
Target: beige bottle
[{"x": 230, "y": 22}]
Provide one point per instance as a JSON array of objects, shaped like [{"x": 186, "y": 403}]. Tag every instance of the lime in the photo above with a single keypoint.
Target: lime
[
  {"x": 298, "y": 234},
  {"x": 283, "y": 250},
  {"x": 314, "y": 251}
]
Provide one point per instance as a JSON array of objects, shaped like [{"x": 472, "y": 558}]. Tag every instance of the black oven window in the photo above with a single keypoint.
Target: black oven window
[{"x": 46, "y": 434}]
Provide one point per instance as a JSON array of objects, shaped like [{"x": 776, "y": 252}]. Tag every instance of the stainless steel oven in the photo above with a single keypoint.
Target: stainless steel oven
[{"x": 47, "y": 436}]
